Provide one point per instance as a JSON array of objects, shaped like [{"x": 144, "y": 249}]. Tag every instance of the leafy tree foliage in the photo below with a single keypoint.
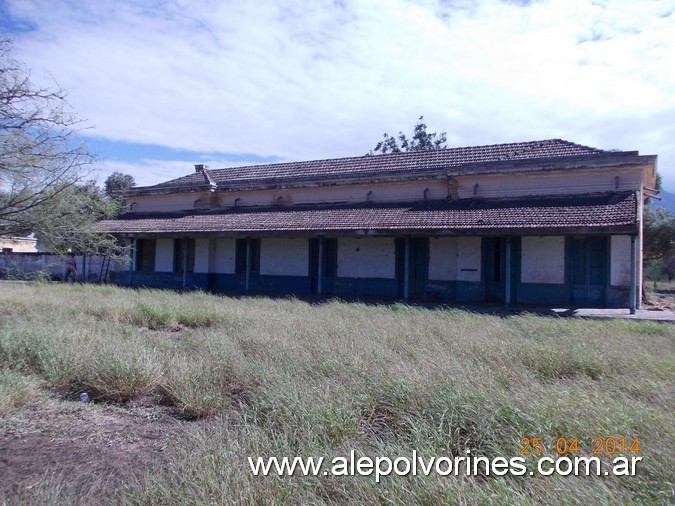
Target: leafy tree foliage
[
  {"x": 659, "y": 239},
  {"x": 668, "y": 267},
  {"x": 421, "y": 140},
  {"x": 42, "y": 166},
  {"x": 67, "y": 221},
  {"x": 116, "y": 183}
]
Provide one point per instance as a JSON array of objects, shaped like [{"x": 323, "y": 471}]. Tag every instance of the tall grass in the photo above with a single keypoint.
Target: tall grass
[
  {"x": 286, "y": 378},
  {"x": 16, "y": 390}
]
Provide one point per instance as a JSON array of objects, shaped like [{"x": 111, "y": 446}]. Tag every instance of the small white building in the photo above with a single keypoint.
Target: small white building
[
  {"x": 543, "y": 222},
  {"x": 12, "y": 244}
]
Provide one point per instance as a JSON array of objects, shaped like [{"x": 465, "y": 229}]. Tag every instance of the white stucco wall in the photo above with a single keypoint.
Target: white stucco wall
[
  {"x": 542, "y": 260},
  {"x": 284, "y": 257},
  {"x": 375, "y": 192},
  {"x": 443, "y": 258},
  {"x": 554, "y": 182},
  {"x": 175, "y": 202},
  {"x": 468, "y": 259},
  {"x": 164, "y": 255},
  {"x": 225, "y": 252},
  {"x": 366, "y": 257},
  {"x": 620, "y": 260},
  {"x": 201, "y": 255}
]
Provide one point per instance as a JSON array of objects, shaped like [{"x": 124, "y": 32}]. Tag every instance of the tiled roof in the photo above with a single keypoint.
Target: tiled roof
[
  {"x": 530, "y": 213},
  {"x": 385, "y": 164}
]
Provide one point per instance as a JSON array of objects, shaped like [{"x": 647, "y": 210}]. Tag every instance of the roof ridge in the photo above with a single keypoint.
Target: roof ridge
[
  {"x": 581, "y": 145},
  {"x": 430, "y": 153},
  {"x": 388, "y": 163}
]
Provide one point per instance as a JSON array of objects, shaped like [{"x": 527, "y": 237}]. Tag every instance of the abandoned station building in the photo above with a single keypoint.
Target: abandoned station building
[{"x": 543, "y": 222}]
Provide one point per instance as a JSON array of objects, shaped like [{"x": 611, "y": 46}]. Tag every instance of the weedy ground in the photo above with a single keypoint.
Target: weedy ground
[{"x": 185, "y": 387}]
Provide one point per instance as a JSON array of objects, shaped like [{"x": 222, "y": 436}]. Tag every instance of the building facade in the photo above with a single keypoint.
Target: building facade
[{"x": 543, "y": 222}]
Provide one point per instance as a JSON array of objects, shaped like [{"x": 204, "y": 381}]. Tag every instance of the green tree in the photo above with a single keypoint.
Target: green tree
[
  {"x": 659, "y": 233},
  {"x": 116, "y": 183},
  {"x": 668, "y": 267},
  {"x": 67, "y": 221},
  {"x": 421, "y": 140},
  {"x": 42, "y": 165}
]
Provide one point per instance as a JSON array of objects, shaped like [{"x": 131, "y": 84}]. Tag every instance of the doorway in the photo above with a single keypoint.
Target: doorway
[
  {"x": 325, "y": 250},
  {"x": 587, "y": 270},
  {"x": 494, "y": 266},
  {"x": 417, "y": 267}
]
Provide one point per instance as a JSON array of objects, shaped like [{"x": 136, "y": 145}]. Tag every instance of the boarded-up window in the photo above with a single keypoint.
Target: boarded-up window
[
  {"x": 179, "y": 250},
  {"x": 543, "y": 259},
  {"x": 241, "y": 256},
  {"x": 145, "y": 254}
]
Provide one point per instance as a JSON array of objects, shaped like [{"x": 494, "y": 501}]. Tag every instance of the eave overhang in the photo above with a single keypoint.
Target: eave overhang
[{"x": 602, "y": 213}]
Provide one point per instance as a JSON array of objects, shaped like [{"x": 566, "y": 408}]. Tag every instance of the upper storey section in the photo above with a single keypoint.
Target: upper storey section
[
  {"x": 552, "y": 166},
  {"x": 384, "y": 166}
]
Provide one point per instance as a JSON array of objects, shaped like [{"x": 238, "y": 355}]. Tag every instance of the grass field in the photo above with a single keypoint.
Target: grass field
[{"x": 266, "y": 377}]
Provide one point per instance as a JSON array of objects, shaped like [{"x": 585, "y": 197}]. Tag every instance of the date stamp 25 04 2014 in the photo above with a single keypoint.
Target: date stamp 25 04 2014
[{"x": 563, "y": 446}]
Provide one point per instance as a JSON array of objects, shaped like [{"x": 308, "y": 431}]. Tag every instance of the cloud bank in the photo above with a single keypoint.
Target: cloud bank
[{"x": 293, "y": 80}]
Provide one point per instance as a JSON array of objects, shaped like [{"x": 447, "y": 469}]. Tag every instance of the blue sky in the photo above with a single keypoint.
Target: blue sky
[{"x": 166, "y": 84}]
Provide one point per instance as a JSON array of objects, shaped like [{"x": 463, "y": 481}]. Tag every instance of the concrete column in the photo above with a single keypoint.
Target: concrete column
[
  {"x": 185, "y": 261},
  {"x": 132, "y": 254},
  {"x": 406, "y": 268},
  {"x": 633, "y": 274},
  {"x": 212, "y": 256},
  {"x": 248, "y": 264},
  {"x": 211, "y": 264},
  {"x": 319, "y": 279},
  {"x": 507, "y": 273}
]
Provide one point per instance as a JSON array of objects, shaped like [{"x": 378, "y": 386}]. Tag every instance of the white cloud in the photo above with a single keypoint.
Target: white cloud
[
  {"x": 149, "y": 171},
  {"x": 302, "y": 80}
]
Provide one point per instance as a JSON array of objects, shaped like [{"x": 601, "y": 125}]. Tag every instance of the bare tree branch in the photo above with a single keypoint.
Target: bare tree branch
[{"x": 43, "y": 168}]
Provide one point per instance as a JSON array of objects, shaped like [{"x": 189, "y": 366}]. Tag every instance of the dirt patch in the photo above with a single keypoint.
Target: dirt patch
[
  {"x": 83, "y": 443},
  {"x": 661, "y": 302}
]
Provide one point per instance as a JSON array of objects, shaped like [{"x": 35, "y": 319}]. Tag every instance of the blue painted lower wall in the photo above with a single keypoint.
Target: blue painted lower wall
[
  {"x": 216, "y": 282},
  {"x": 281, "y": 284},
  {"x": 442, "y": 291},
  {"x": 367, "y": 287},
  {"x": 455, "y": 291},
  {"x": 168, "y": 280},
  {"x": 543, "y": 293},
  {"x": 223, "y": 283},
  {"x": 617, "y": 297},
  {"x": 470, "y": 292}
]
